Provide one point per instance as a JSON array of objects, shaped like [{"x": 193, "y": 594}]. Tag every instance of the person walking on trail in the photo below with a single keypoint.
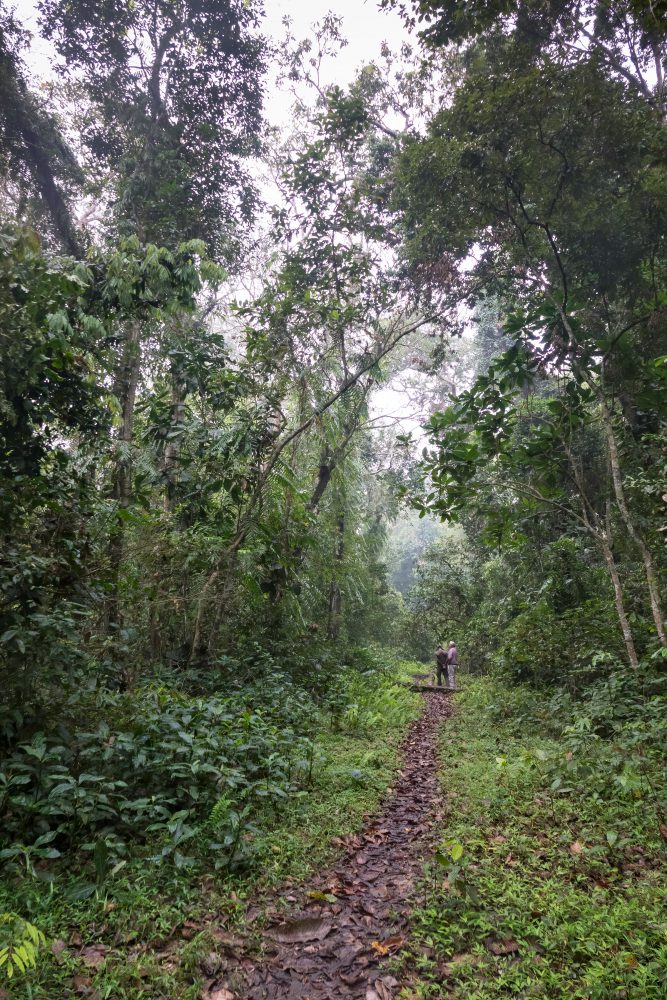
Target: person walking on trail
[
  {"x": 441, "y": 663},
  {"x": 452, "y": 663}
]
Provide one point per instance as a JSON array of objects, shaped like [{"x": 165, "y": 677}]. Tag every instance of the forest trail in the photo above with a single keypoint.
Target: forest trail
[{"x": 326, "y": 948}]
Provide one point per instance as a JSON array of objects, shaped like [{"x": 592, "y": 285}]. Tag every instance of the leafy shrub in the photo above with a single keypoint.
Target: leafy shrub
[
  {"x": 160, "y": 759},
  {"x": 544, "y": 647},
  {"x": 172, "y": 772},
  {"x": 19, "y": 944}
]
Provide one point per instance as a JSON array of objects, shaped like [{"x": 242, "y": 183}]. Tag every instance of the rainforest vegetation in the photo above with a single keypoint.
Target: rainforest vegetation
[{"x": 286, "y": 399}]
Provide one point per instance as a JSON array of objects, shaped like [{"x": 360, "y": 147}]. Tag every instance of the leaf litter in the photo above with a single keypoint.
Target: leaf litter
[{"x": 354, "y": 916}]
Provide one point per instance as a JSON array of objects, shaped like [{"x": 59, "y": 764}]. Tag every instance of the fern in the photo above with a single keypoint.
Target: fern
[{"x": 20, "y": 942}]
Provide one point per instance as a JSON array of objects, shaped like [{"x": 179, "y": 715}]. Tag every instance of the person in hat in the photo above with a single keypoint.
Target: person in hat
[{"x": 452, "y": 661}]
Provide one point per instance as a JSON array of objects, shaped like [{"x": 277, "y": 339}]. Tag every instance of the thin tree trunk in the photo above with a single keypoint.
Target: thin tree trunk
[
  {"x": 618, "y": 599},
  {"x": 125, "y": 390},
  {"x": 603, "y": 536},
  {"x": 173, "y": 444},
  {"x": 335, "y": 593},
  {"x": 39, "y": 140},
  {"x": 619, "y": 492},
  {"x": 633, "y": 531}
]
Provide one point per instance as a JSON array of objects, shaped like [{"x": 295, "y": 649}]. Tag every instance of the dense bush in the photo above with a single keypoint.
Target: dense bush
[{"x": 166, "y": 762}]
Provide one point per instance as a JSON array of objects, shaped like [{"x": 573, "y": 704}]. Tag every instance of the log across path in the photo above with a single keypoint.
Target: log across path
[{"x": 331, "y": 948}]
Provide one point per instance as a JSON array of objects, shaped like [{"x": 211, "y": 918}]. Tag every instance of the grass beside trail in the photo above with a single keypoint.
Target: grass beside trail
[
  {"x": 558, "y": 890},
  {"x": 149, "y": 933}
]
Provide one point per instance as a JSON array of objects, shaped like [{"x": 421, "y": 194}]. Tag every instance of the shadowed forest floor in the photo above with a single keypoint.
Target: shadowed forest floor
[{"x": 335, "y": 940}]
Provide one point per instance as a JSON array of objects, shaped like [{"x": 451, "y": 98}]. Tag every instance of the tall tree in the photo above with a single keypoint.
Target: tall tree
[
  {"x": 33, "y": 150},
  {"x": 561, "y": 214}
]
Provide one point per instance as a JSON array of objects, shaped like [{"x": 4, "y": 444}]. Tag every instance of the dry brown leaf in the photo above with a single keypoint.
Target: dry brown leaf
[
  {"x": 83, "y": 985},
  {"x": 394, "y": 943},
  {"x": 221, "y": 994},
  {"x": 507, "y": 946},
  {"x": 379, "y": 948},
  {"x": 353, "y": 977},
  {"x": 189, "y": 929},
  {"x": 663, "y": 830},
  {"x": 631, "y": 961},
  {"x": 379, "y": 991},
  {"x": 466, "y": 958},
  {"x": 576, "y": 847},
  {"x": 94, "y": 955},
  {"x": 227, "y": 940},
  {"x": 305, "y": 929}
]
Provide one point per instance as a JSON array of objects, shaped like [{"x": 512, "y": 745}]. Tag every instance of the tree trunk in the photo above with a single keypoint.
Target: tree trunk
[
  {"x": 618, "y": 599},
  {"x": 603, "y": 536},
  {"x": 335, "y": 593},
  {"x": 327, "y": 465},
  {"x": 633, "y": 530},
  {"x": 125, "y": 389},
  {"x": 173, "y": 444},
  {"x": 39, "y": 140}
]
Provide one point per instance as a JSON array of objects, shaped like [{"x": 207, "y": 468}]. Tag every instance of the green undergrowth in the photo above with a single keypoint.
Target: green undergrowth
[
  {"x": 276, "y": 775},
  {"x": 551, "y": 880}
]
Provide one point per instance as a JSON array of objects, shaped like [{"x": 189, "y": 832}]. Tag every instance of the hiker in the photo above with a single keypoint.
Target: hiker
[
  {"x": 441, "y": 662},
  {"x": 452, "y": 659}
]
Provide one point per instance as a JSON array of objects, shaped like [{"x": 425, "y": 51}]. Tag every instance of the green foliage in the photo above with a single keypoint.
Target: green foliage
[
  {"x": 149, "y": 901},
  {"x": 19, "y": 945},
  {"x": 176, "y": 132},
  {"x": 562, "y": 890},
  {"x": 159, "y": 759},
  {"x": 545, "y": 647}
]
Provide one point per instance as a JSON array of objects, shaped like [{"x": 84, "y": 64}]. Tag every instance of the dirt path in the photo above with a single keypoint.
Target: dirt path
[{"x": 331, "y": 948}]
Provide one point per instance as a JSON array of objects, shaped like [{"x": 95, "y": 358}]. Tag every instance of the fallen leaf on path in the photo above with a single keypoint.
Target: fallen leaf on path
[
  {"x": 227, "y": 940},
  {"x": 211, "y": 963},
  {"x": 576, "y": 847},
  {"x": 506, "y": 947},
  {"x": 465, "y": 958},
  {"x": 394, "y": 943},
  {"x": 379, "y": 948},
  {"x": 94, "y": 955},
  {"x": 306, "y": 929},
  {"x": 449, "y": 968},
  {"x": 189, "y": 929},
  {"x": 379, "y": 991},
  {"x": 83, "y": 985}
]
